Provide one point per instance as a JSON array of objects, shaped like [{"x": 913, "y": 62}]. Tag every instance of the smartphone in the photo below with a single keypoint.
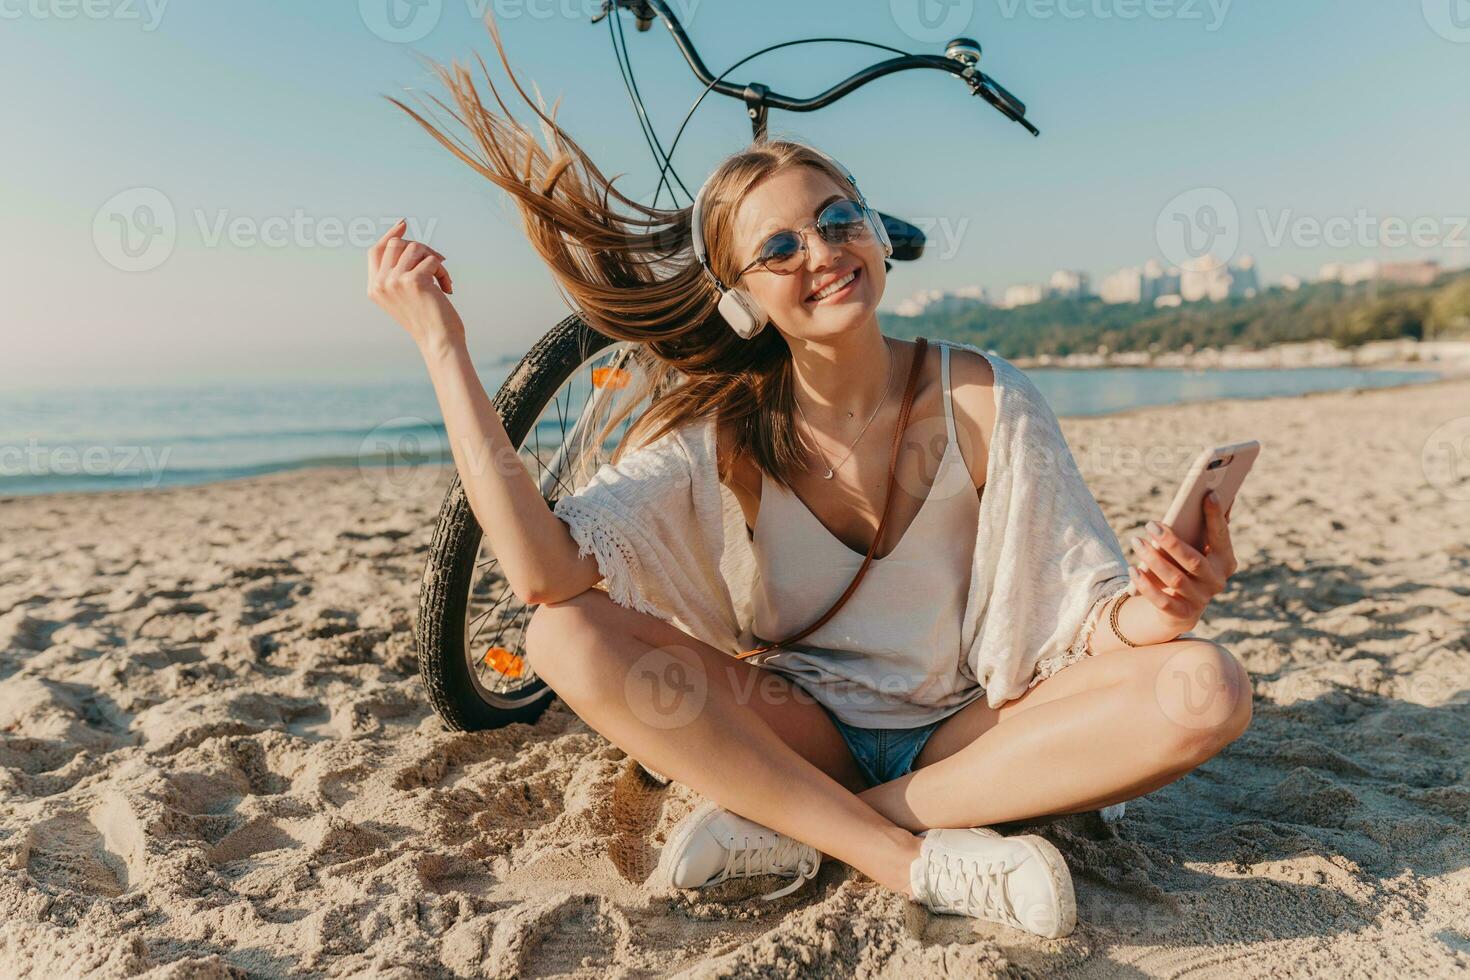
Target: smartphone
[{"x": 1218, "y": 468}]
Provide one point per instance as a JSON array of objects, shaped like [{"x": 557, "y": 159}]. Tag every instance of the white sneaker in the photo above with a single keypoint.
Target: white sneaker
[
  {"x": 712, "y": 845},
  {"x": 1020, "y": 881}
]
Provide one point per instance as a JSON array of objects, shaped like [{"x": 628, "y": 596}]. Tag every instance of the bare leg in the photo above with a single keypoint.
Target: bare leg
[
  {"x": 703, "y": 718},
  {"x": 1103, "y": 730}
]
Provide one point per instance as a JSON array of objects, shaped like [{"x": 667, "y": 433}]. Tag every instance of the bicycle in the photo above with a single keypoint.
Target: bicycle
[{"x": 476, "y": 683}]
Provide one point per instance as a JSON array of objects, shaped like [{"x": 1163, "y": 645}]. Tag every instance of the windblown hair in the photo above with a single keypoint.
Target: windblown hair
[{"x": 630, "y": 272}]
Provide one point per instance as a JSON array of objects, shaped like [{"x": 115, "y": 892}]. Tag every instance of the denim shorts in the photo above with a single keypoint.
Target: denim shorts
[{"x": 884, "y": 754}]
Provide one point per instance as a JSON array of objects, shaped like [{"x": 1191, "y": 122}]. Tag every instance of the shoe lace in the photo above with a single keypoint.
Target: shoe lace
[
  {"x": 746, "y": 856},
  {"x": 968, "y": 885}
]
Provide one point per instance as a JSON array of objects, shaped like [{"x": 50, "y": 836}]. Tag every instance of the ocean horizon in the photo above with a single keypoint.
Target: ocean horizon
[{"x": 98, "y": 439}]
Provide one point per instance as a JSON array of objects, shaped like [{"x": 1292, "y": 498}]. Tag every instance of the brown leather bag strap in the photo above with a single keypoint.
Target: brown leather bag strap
[{"x": 903, "y": 419}]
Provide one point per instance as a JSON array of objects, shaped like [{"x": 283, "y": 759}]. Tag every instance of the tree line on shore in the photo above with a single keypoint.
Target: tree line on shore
[{"x": 1346, "y": 315}]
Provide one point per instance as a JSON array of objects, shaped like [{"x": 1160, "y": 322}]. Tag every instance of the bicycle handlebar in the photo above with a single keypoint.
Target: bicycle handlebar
[{"x": 758, "y": 97}]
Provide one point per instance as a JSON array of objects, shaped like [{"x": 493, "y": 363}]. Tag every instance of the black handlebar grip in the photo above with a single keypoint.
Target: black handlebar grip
[{"x": 1007, "y": 102}]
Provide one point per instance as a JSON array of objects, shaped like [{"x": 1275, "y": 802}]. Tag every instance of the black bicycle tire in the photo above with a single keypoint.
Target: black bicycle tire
[{"x": 449, "y": 568}]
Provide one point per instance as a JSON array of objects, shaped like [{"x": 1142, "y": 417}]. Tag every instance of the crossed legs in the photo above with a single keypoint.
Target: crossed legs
[{"x": 1105, "y": 729}]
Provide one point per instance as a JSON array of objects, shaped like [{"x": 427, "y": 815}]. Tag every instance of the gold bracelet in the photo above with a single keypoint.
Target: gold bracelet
[{"x": 1113, "y": 618}]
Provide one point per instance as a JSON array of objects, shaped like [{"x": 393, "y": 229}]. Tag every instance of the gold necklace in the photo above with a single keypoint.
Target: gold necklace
[{"x": 833, "y": 469}]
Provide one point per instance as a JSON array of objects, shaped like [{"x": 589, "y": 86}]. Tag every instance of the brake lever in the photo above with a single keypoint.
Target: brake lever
[
  {"x": 642, "y": 14},
  {"x": 1008, "y": 105}
]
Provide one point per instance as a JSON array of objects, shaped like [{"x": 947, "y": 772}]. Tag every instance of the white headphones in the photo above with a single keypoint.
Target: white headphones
[{"x": 738, "y": 307}]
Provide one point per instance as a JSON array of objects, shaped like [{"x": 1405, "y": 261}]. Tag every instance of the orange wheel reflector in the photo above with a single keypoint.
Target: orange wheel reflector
[
  {"x": 611, "y": 377},
  {"x": 504, "y": 661}
]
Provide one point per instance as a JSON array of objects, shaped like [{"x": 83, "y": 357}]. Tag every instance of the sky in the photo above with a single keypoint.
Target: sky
[{"x": 190, "y": 187}]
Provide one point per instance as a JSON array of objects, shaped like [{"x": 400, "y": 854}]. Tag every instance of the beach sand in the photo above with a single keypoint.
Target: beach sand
[{"x": 216, "y": 758}]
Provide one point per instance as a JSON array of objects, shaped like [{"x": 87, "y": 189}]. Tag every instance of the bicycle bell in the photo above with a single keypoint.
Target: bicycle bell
[{"x": 965, "y": 50}]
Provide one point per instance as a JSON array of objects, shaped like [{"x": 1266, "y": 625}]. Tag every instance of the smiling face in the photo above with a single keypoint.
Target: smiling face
[{"x": 791, "y": 198}]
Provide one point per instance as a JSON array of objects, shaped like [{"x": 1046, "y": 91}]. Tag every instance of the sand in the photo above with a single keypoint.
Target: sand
[{"x": 216, "y": 758}]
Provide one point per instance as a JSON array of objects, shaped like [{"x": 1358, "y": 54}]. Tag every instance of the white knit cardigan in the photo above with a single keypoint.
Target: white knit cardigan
[{"x": 670, "y": 540}]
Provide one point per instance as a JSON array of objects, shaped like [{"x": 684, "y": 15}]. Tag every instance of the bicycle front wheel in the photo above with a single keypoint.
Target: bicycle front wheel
[{"x": 471, "y": 626}]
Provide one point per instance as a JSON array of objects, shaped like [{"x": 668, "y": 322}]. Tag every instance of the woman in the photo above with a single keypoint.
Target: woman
[{"x": 895, "y": 735}]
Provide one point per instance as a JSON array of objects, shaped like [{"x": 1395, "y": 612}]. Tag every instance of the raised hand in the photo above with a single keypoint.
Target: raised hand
[{"x": 408, "y": 280}]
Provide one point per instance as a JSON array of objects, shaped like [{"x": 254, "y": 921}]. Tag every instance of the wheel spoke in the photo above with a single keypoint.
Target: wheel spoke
[
  {"x": 495, "y": 619},
  {"x": 495, "y": 640},
  {"x": 542, "y": 464},
  {"x": 480, "y": 618}
]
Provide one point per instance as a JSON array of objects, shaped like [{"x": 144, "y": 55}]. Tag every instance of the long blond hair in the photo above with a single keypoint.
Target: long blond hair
[{"x": 629, "y": 270}]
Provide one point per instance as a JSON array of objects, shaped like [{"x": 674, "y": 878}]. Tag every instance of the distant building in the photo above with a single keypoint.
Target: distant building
[
  {"x": 1123, "y": 286},
  {"x": 941, "y": 301},
  {"x": 1349, "y": 273},
  {"x": 1140, "y": 285},
  {"x": 1373, "y": 270},
  {"x": 1070, "y": 284},
  {"x": 1209, "y": 278},
  {"x": 1409, "y": 273},
  {"x": 1172, "y": 299},
  {"x": 1204, "y": 278},
  {"x": 1245, "y": 281},
  {"x": 1023, "y": 295},
  {"x": 1291, "y": 283}
]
